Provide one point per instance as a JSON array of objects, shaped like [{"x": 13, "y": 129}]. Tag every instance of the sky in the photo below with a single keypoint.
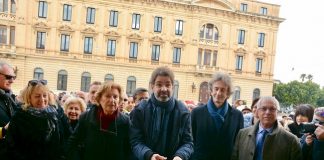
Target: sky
[{"x": 300, "y": 41}]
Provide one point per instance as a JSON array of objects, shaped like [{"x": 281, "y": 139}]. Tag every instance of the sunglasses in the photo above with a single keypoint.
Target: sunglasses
[
  {"x": 35, "y": 82},
  {"x": 8, "y": 77}
]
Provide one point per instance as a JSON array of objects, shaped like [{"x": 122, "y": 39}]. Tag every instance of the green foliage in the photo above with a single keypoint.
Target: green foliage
[{"x": 296, "y": 93}]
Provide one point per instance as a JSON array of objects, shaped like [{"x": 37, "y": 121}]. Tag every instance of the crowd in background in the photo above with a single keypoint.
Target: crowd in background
[{"x": 105, "y": 123}]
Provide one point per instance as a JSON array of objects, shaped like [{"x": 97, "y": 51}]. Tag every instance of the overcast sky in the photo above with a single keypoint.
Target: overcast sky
[{"x": 300, "y": 43}]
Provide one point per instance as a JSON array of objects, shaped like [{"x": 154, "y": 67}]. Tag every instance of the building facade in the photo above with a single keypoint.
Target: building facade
[{"x": 71, "y": 43}]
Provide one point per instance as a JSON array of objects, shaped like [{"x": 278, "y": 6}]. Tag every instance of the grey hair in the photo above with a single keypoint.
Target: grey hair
[
  {"x": 4, "y": 63},
  {"x": 219, "y": 76},
  {"x": 268, "y": 98}
]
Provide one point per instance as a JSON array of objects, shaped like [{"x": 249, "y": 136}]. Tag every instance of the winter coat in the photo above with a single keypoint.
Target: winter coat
[
  {"x": 96, "y": 143},
  {"x": 210, "y": 143},
  {"x": 278, "y": 145},
  {"x": 174, "y": 137},
  {"x": 34, "y": 134}
]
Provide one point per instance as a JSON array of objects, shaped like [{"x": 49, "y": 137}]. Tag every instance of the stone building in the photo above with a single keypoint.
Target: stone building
[{"x": 71, "y": 43}]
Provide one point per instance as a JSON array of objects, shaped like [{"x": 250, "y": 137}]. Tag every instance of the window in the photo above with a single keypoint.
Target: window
[
  {"x": 131, "y": 85},
  {"x": 133, "y": 50},
  {"x": 237, "y": 94},
  {"x": 88, "y": 41},
  {"x": 256, "y": 93},
  {"x": 261, "y": 40},
  {"x": 38, "y": 73},
  {"x": 111, "y": 47},
  {"x": 113, "y": 19},
  {"x": 176, "y": 89},
  {"x": 67, "y": 12},
  {"x": 136, "y": 21},
  {"x": 263, "y": 11},
  {"x": 214, "y": 58},
  {"x": 258, "y": 68},
  {"x": 3, "y": 34},
  {"x": 65, "y": 42},
  {"x": 85, "y": 81},
  {"x": 209, "y": 31},
  {"x": 109, "y": 77},
  {"x": 241, "y": 36},
  {"x": 4, "y": 6},
  {"x": 42, "y": 9},
  {"x": 207, "y": 57},
  {"x": 157, "y": 24},
  {"x": 179, "y": 27},
  {"x": 13, "y": 6},
  {"x": 40, "y": 43},
  {"x": 155, "y": 52},
  {"x": 12, "y": 35},
  {"x": 243, "y": 7},
  {"x": 176, "y": 55},
  {"x": 62, "y": 80},
  {"x": 239, "y": 63},
  {"x": 91, "y": 13}
]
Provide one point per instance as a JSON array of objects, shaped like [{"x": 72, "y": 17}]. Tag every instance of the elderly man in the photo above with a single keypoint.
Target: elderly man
[
  {"x": 7, "y": 99},
  {"x": 216, "y": 124},
  {"x": 160, "y": 126},
  {"x": 266, "y": 140}
]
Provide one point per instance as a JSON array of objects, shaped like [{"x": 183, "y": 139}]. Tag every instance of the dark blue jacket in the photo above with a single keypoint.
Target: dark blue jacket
[
  {"x": 178, "y": 141},
  {"x": 314, "y": 151},
  {"x": 208, "y": 142}
]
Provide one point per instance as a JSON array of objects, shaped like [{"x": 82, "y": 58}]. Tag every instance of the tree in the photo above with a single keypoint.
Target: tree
[
  {"x": 320, "y": 100},
  {"x": 309, "y": 77},
  {"x": 294, "y": 93},
  {"x": 302, "y": 77}
]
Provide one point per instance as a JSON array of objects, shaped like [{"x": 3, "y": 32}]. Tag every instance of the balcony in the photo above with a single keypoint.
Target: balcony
[
  {"x": 7, "y": 17},
  {"x": 209, "y": 42},
  {"x": 8, "y": 50}
]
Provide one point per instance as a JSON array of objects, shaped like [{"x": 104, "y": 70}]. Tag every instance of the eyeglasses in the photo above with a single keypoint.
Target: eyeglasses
[
  {"x": 8, "y": 77},
  {"x": 35, "y": 82},
  {"x": 264, "y": 109}
]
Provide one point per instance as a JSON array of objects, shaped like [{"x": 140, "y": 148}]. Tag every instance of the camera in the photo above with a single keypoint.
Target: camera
[{"x": 310, "y": 127}]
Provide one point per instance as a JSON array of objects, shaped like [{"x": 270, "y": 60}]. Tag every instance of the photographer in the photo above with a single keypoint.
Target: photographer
[{"x": 313, "y": 143}]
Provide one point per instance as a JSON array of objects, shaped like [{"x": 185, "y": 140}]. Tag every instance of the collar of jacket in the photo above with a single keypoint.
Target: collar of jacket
[
  {"x": 256, "y": 127},
  {"x": 168, "y": 106},
  {"x": 94, "y": 119}
]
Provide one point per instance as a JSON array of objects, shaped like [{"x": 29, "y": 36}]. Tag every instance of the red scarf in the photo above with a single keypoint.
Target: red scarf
[{"x": 106, "y": 120}]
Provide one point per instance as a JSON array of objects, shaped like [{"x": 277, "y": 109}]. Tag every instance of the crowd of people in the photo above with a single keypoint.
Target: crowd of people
[{"x": 151, "y": 125}]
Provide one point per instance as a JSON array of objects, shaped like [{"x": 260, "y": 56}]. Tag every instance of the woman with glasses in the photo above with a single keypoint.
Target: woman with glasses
[
  {"x": 33, "y": 132},
  {"x": 103, "y": 130}
]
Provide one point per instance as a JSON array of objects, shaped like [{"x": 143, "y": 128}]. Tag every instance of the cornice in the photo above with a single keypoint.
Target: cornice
[
  {"x": 65, "y": 28},
  {"x": 113, "y": 34},
  {"x": 178, "y": 42},
  {"x": 89, "y": 30},
  {"x": 41, "y": 26},
  {"x": 135, "y": 36},
  {"x": 157, "y": 39}
]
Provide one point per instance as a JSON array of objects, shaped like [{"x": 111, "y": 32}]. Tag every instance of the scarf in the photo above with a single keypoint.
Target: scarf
[
  {"x": 160, "y": 120},
  {"x": 217, "y": 114}
]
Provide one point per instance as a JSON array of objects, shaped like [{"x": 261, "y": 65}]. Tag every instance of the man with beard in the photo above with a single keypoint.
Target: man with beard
[
  {"x": 216, "y": 124},
  {"x": 160, "y": 126}
]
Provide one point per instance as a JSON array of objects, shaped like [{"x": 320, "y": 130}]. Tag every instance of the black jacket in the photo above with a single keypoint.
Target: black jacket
[
  {"x": 208, "y": 142},
  {"x": 98, "y": 144},
  {"x": 34, "y": 134},
  {"x": 176, "y": 136}
]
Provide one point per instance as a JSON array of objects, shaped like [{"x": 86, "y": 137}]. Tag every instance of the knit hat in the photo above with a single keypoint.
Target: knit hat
[{"x": 319, "y": 112}]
